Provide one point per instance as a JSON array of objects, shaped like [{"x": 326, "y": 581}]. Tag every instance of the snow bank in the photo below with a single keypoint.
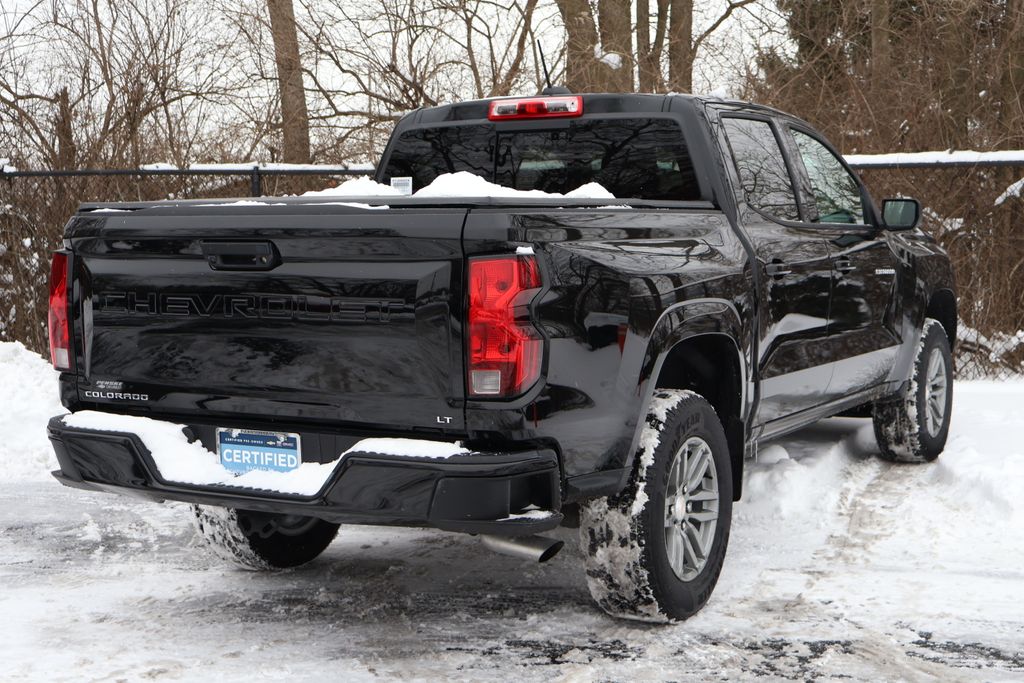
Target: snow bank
[
  {"x": 993, "y": 481},
  {"x": 780, "y": 487},
  {"x": 28, "y": 399},
  {"x": 982, "y": 468},
  {"x": 461, "y": 184},
  {"x": 182, "y": 462},
  {"x": 801, "y": 485}
]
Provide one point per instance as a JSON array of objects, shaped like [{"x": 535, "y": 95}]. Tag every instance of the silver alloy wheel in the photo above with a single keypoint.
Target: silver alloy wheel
[
  {"x": 691, "y": 508},
  {"x": 936, "y": 386}
]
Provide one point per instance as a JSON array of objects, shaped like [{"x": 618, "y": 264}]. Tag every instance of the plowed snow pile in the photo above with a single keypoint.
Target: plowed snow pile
[
  {"x": 839, "y": 566},
  {"x": 28, "y": 399}
]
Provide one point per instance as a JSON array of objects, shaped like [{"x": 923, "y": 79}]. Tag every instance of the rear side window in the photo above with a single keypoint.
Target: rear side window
[
  {"x": 761, "y": 167},
  {"x": 632, "y": 158}
]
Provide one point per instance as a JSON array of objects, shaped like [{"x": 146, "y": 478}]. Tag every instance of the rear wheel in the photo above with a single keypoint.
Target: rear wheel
[
  {"x": 913, "y": 427},
  {"x": 654, "y": 552},
  {"x": 257, "y": 540}
]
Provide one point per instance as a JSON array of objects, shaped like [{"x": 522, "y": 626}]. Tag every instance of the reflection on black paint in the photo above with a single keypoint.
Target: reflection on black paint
[
  {"x": 761, "y": 167},
  {"x": 614, "y": 277},
  {"x": 642, "y": 158}
]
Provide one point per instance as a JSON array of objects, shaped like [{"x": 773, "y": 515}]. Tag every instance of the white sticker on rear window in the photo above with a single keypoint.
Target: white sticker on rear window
[{"x": 403, "y": 184}]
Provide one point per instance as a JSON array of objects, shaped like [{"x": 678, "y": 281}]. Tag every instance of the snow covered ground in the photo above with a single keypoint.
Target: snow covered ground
[{"x": 840, "y": 565}]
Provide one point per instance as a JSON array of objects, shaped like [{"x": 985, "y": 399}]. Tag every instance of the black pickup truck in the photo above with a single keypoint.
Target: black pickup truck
[{"x": 503, "y": 365}]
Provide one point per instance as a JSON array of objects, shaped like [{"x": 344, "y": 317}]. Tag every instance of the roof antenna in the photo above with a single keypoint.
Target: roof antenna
[
  {"x": 544, "y": 64},
  {"x": 550, "y": 90}
]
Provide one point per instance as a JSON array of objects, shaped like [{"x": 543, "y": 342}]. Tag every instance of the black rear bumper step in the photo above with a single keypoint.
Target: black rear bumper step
[{"x": 478, "y": 493}]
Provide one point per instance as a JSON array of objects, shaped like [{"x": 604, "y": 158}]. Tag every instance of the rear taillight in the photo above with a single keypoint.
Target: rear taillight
[
  {"x": 505, "y": 349},
  {"x": 535, "y": 108},
  {"x": 60, "y": 337}
]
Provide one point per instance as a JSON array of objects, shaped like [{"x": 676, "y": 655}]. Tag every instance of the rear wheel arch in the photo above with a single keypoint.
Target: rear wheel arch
[{"x": 711, "y": 365}]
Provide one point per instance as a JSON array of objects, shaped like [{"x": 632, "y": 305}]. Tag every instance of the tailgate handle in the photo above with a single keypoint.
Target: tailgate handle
[{"x": 241, "y": 255}]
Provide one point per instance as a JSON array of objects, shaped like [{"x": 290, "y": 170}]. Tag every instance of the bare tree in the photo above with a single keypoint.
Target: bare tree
[
  {"x": 370, "y": 64},
  {"x": 880, "y": 34},
  {"x": 1011, "y": 81},
  {"x": 294, "y": 116},
  {"x": 648, "y": 50},
  {"x": 684, "y": 44},
  {"x": 598, "y": 45},
  {"x": 99, "y": 82},
  {"x": 600, "y": 38}
]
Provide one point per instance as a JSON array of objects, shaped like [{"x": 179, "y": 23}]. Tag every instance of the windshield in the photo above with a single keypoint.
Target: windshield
[{"x": 636, "y": 158}]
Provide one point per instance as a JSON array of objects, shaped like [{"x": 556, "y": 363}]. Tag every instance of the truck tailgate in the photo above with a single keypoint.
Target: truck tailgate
[{"x": 345, "y": 315}]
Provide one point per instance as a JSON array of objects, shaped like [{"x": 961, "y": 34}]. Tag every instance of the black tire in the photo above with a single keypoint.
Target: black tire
[
  {"x": 262, "y": 541},
  {"x": 908, "y": 427},
  {"x": 625, "y": 538}
]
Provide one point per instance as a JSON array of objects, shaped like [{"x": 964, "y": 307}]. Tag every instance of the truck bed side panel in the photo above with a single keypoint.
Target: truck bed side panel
[{"x": 611, "y": 276}]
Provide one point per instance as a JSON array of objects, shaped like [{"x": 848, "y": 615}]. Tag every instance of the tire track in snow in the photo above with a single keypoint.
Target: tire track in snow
[
  {"x": 871, "y": 511},
  {"x": 791, "y": 595}
]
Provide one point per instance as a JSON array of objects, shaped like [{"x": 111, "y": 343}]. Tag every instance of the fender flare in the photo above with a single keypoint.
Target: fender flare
[
  {"x": 905, "y": 359},
  {"x": 677, "y": 324}
]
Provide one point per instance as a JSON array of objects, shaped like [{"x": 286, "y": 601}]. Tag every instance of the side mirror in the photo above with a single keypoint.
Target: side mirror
[{"x": 901, "y": 214}]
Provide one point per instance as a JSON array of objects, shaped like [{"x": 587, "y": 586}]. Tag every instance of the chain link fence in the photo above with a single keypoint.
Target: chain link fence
[{"x": 974, "y": 210}]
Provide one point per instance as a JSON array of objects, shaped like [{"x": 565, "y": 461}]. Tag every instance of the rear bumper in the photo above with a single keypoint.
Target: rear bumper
[{"x": 476, "y": 493}]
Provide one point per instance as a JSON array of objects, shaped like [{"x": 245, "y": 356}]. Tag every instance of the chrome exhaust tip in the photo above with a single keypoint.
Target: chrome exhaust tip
[{"x": 533, "y": 548}]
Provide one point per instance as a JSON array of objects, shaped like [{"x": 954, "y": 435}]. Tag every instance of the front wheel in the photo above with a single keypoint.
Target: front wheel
[
  {"x": 655, "y": 551},
  {"x": 257, "y": 540},
  {"x": 913, "y": 427}
]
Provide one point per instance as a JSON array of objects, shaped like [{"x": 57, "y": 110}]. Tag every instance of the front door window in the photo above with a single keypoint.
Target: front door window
[{"x": 836, "y": 194}]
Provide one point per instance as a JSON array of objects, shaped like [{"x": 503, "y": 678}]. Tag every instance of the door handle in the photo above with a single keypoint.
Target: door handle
[
  {"x": 254, "y": 255},
  {"x": 777, "y": 269},
  {"x": 844, "y": 265}
]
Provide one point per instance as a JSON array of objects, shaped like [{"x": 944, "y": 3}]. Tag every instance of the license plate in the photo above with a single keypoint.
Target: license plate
[{"x": 245, "y": 450}]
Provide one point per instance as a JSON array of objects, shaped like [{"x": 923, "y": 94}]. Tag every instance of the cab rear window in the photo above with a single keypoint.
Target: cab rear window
[{"x": 635, "y": 158}]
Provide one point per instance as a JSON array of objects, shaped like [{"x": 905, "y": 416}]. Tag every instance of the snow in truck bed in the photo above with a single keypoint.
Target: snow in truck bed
[
  {"x": 365, "y": 193},
  {"x": 460, "y": 184}
]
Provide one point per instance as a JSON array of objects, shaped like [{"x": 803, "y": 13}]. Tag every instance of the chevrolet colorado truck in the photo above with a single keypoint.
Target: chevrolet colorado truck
[{"x": 503, "y": 365}]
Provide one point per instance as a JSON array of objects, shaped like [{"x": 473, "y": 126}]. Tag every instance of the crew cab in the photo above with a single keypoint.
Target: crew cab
[{"x": 504, "y": 363}]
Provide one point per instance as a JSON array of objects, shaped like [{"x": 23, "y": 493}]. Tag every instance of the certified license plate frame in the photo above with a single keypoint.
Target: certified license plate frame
[{"x": 247, "y": 450}]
